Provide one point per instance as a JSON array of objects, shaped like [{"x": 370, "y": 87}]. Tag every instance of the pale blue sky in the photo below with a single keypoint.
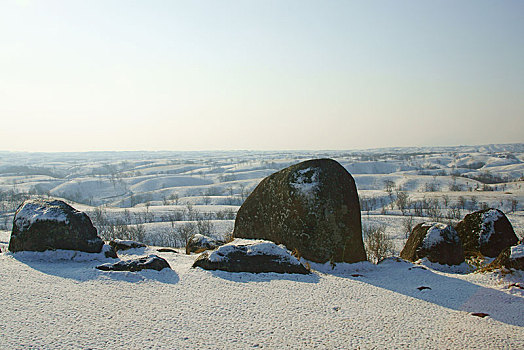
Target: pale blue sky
[{"x": 192, "y": 75}]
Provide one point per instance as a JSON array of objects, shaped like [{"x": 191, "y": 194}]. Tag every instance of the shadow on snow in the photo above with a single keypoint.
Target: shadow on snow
[
  {"x": 453, "y": 293},
  {"x": 81, "y": 267}
]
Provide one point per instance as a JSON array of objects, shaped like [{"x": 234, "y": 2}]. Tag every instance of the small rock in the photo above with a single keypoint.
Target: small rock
[
  {"x": 166, "y": 250},
  {"x": 356, "y": 275},
  {"x": 423, "y": 287},
  {"x": 479, "y": 314},
  {"x": 150, "y": 262},
  {"x": 120, "y": 244},
  {"x": 198, "y": 243}
]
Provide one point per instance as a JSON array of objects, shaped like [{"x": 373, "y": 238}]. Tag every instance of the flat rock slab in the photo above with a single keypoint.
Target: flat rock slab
[
  {"x": 120, "y": 244},
  {"x": 198, "y": 243},
  {"x": 150, "y": 262},
  {"x": 255, "y": 256}
]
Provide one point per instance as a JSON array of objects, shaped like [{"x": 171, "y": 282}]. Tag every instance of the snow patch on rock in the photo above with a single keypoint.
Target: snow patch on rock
[
  {"x": 306, "y": 181},
  {"x": 33, "y": 211},
  {"x": 436, "y": 234},
  {"x": 488, "y": 225},
  {"x": 517, "y": 252}
]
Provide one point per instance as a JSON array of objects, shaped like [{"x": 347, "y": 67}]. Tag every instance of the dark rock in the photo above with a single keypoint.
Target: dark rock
[
  {"x": 417, "y": 268},
  {"x": 198, "y": 243},
  {"x": 510, "y": 258},
  {"x": 41, "y": 225},
  {"x": 166, "y": 250},
  {"x": 486, "y": 232},
  {"x": 423, "y": 287},
  {"x": 150, "y": 262},
  {"x": 254, "y": 257},
  {"x": 479, "y": 314},
  {"x": 516, "y": 285},
  {"x": 439, "y": 243},
  {"x": 119, "y": 244},
  {"x": 312, "y": 207}
]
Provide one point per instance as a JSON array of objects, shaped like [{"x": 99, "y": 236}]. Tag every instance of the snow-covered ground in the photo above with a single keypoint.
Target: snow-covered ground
[
  {"x": 59, "y": 300},
  {"x": 56, "y": 300}
]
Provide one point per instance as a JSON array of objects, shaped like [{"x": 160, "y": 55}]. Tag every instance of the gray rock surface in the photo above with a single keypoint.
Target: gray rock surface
[
  {"x": 312, "y": 207},
  {"x": 487, "y": 232},
  {"x": 40, "y": 225},
  {"x": 150, "y": 262},
  {"x": 439, "y": 243}
]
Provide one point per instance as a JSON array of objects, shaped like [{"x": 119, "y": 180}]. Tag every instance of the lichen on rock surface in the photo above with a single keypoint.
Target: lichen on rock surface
[
  {"x": 312, "y": 207},
  {"x": 40, "y": 225}
]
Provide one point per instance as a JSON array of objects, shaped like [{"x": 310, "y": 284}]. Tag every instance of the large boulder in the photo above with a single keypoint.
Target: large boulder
[
  {"x": 487, "y": 232},
  {"x": 197, "y": 243},
  {"x": 439, "y": 243},
  {"x": 511, "y": 258},
  {"x": 311, "y": 207},
  {"x": 150, "y": 262},
  {"x": 253, "y": 256},
  {"x": 41, "y": 225}
]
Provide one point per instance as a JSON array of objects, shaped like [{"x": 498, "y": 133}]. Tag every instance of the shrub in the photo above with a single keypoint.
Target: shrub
[{"x": 377, "y": 243}]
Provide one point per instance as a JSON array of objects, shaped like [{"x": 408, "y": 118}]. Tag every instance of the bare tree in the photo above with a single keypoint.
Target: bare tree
[
  {"x": 185, "y": 231},
  {"x": 388, "y": 186},
  {"x": 407, "y": 225},
  {"x": 402, "y": 201}
]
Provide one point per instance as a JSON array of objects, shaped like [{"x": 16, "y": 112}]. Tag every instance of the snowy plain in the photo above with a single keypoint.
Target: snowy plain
[{"x": 57, "y": 300}]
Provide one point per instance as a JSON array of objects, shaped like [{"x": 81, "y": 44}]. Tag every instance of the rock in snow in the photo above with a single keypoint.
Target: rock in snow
[
  {"x": 243, "y": 255},
  {"x": 119, "y": 244},
  {"x": 41, "y": 225},
  {"x": 487, "y": 232},
  {"x": 197, "y": 243},
  {"x": 310, "y": 206},
  {"x": 150, "y": 262},
  {"x": 511, "y": 258},
  {"x": 439, "y": 243}
]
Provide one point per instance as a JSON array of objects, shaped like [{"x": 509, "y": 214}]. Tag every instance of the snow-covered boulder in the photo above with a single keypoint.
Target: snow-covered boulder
[
  {"x": 437, "y": 242},
  {"x": 511, "y": 258},
  {"x": 487, "y": 232},
  {"x": 150, "y": 262},
  {"x": 312, "y": 207},
  {"x": 120, "y": 244},
  {"x": 197, "y": 243},
  {"x": 41, "y": 225},
  {"x": 256, "y": 256}
]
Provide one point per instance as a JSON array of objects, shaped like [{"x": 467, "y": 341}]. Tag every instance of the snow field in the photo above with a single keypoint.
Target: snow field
[{"x": 57, "y": 304}]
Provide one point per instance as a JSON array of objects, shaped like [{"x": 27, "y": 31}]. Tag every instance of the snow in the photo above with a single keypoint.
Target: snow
[
  {"x": 517, "y": 252},
  {"x": 254, "y": 247},
  {"x": 488, "y": 225},
  {"x": 63, "y": 304},
  {"x": 34, "y": 210},
  {"x": 306, "y": 181},
  {"x": 126, "y": 242},
  {"x": 435, "y": 235},
  {"x": 203, "y": 239}
]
